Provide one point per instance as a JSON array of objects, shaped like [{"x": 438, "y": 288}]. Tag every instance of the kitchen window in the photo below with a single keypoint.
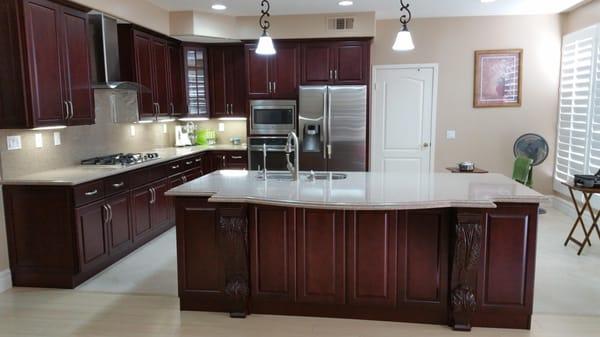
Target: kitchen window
[{"x": 578, "y": 138}]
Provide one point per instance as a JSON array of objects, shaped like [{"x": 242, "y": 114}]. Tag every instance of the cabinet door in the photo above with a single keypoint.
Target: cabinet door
[
  {"x": 46, "y": 76},
  {"x": 284, "y": 74},
  {"x": 144, "y": 73},
  {"x": 320, "y": 256},
  {"x": 160, "y": 56},
  {"x": 120, "y": 236},
  {"x": 257, "y": 74},
  {"x": 218, "y": 82},
  {"x": 140, "y": 210},
  {"x": 352, "y": 64},
  {"x": 160, "y": 208},
  {"x": 92, "y": 236},
  {"x": 196, "y": 72},
  {"x": 317, "y": 63},
  {"x": 372, "y": 242},
  {"x": 77, "y": 67},
  {"x": 236, "y": 86},
  {"x": 271, "y": 236},
  {"x": 177, "y": 105}
]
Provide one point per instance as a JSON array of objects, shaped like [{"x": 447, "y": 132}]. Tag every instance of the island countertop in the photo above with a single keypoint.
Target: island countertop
[{"x": 362, "y": 190}]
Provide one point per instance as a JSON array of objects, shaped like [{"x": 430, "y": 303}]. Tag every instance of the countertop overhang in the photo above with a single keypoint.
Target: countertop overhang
[
  {"x": 362, "y": 191},
  {"x": 80, "y": 174}
]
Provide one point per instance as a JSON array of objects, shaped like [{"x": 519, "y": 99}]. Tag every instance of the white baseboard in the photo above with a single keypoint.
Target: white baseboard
[{"x": 5, "y": 280}]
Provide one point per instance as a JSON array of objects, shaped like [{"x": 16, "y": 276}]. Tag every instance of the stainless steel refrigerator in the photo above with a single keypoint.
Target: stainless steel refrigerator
[{"x": 333, "y": 128}]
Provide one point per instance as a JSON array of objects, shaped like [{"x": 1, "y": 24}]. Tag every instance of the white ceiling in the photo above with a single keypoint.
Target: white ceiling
[{"x": 383, "y": 8}]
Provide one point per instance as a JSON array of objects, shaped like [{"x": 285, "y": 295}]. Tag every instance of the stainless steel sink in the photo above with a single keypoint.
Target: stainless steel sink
[{"x": 306, "y": 176}]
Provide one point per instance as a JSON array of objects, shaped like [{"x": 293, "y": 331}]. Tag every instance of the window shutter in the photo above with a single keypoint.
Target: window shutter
[{"x": 578, "y": 135}]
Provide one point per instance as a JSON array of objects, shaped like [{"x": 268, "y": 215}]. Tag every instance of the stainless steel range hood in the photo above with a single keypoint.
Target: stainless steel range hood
[{"x": 106, "y": 69}]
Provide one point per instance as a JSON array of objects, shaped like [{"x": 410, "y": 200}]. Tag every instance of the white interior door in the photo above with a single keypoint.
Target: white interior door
[{"x": 402, "y": 118}]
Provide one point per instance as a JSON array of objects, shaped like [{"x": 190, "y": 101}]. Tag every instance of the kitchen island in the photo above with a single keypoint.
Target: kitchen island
[{"x": 441, "y": 248}]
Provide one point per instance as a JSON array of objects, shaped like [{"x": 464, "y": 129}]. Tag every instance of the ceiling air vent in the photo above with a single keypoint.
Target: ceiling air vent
[{"x": 340, "y": 24}]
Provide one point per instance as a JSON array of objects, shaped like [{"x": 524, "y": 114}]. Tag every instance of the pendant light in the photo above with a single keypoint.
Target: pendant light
[
  {"x": 404, "y": 40},
  {"x": 265, "y": 43}
]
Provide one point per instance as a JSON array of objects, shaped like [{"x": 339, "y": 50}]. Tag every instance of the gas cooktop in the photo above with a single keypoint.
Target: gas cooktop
[{"x": 122, "y": 159}]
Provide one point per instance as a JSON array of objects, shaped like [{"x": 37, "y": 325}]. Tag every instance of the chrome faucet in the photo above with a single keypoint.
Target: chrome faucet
[{"x": 295, "y": 167}]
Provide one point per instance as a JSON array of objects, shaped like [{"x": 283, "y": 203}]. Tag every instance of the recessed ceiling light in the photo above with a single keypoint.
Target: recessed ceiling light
[
  {"x": 346, "y": 3},
  {"x": 219, "y": 7},
  {"x": 487, "y": 1}
]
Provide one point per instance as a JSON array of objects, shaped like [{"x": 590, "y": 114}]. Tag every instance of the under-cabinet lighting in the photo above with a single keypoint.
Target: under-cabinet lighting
[
  {"x": 346, "y": 3},
  {"x": 145, "y": 122},
  {"x": 232, "y": 118},
  {"x": 43, "y": 128},
  {"x": 167, "y": 120},
  {"x": 193, "y": 119}
]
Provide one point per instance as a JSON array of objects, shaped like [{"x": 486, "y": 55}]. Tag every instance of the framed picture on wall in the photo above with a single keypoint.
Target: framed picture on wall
[{"x": 498, "y": 78}]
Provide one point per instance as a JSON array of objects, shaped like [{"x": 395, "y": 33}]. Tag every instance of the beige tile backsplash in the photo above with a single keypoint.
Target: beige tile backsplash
[{"x": 105, "y": 137}]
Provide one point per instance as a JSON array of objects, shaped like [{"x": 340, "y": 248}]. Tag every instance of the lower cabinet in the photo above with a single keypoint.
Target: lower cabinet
[
  {"x": 150, "y": 209},
  {"x": 92, "y": 235},
  {"x": 120, "y": 237}
]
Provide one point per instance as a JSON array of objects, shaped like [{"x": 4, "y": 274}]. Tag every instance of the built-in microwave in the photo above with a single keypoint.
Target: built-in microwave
[{"x": 272, "y": 117}]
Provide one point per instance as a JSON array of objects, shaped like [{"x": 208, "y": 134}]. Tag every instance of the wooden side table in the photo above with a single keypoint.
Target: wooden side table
[{"x": 588, "y": 193}]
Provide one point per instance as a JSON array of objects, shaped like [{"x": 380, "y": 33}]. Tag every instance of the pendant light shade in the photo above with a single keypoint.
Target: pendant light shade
[
  {"x": 404, "y": 41},
  {"x": 265, "y": 43}
]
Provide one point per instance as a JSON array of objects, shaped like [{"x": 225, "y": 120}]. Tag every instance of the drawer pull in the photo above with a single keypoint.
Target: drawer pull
[
  {"x": 89, "y": 194},
  {"x": 198, "y": 160},
  {"x": 119, "y": 185},
  {"x": 175, "y": 167},
  {"x": 189, "y": 162},
  {"x": 236, "y": 157}
]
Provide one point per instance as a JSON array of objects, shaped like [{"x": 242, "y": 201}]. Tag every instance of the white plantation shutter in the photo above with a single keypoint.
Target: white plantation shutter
[{"x": 578, "y": 138}]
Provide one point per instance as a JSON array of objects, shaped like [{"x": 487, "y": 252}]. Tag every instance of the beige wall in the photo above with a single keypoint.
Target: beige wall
[
  {"x": 581, "y": 17},
  {"x": 485, "y": 136},
  {"x": 140, "y": 12}
]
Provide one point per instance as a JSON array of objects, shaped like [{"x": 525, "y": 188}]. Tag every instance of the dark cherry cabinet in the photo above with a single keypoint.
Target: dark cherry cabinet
[
  {"x": 176, "y": 94},
  {"x": 155, "y": 63},
  {"x": 227, "y": 87},
  {"x": 273, "y": 76},
  {"x": 92, "y": 235},
  {"x": 120, "y": 237},
  {"x": 150, "y": 209},
  {"x": 337, "y": 62},
  {"x": 196, "y": 84},
  {"x": 234, "y": 160},
  {"x": 77, "y": 72},
  {"x": 50, "y": 84}
]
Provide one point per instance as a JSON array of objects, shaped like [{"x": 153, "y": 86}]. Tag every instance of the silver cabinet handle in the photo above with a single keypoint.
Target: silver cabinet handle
[
  {"x": 66, "y": 110},
  {"x": 175, "y": 167},
  {"x": 189, "y": 162},
  {"x": 231, "y": 109},
  {"x": 274, "y": 87},
  {"x": 331, "y": 74},
  {"x": 106, "y": 214},
  {"x": 184, "y": 179},
  {"x": 335, "y": 74},
  {"x": 110, "y": 213},
  {"x": 152, "y": 196},
  {"x": 270, "y": 87},
  {"x": 89, "y": 194},
  {"x": 119, "y": 185},
  {"x": 172, "y": 108},
  {"x": 236, "y": 157},
  {"x": 72, "y": 111},
  {"x": 198, "y": 160}
]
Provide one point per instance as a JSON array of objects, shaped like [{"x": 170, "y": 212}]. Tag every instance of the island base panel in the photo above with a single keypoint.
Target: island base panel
[{"x": 457, "y": 267}]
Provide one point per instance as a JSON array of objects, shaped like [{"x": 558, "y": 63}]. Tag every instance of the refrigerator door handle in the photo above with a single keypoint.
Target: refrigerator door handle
[
  {"x": 329, "y": 124},
  {"x": 325, "y": 119}
]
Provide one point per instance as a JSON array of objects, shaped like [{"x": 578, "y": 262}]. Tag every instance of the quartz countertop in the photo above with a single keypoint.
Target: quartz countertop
[
  {"x": 362, "y": 190},
  {"x": 79, "y": 174}
]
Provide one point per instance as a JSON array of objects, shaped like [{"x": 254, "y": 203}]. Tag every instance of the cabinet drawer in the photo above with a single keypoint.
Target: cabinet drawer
[
  {"x": 89, "y": 192},
  {"x": 175, "y": 167},
  {"x": 237, "y": 157},
  {"x": 116, "y": 184},
  {"x": 192, "y": 162}
]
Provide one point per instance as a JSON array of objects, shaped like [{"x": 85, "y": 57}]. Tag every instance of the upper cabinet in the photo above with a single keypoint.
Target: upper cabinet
[
  {"x": 273, "y": 76},
  {"x": 196, "y": 80},
  {"x": 50, "y": 83},
  {"x": 155, "y": 63},
  {"x": 335, "y": 62},
  {"x": 227, "y": 85}
]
